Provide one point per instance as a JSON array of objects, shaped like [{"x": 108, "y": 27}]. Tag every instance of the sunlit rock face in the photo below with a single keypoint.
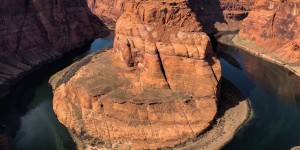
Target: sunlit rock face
[
  {"x": 33, "y": 32},
  {"x": 215, "y": 15},
  {"x": 166, "y": 43},
  {"x": 156, "y": 88},
  {"x": 107, "y": 10},
  {"x": 273, "y": 25}
]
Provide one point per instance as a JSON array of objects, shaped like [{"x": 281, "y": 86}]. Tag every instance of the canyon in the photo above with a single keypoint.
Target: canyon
[
  {"x": 35, "y": 32},
  {"x": 270, "y": 31},
  {"x": 215, "y": 15},
  {"x": 157, "y": 87}
]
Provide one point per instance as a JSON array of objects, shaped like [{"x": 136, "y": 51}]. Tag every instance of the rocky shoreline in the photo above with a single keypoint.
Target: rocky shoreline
[
  {"x": 258, "y": 51},
  {"x": 233, "y": 39},
  {"x": 233, "y": 112},
  {"x": 158, "y": 87}
]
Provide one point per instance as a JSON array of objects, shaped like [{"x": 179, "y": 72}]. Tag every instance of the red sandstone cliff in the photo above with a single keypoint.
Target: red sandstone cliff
[
  {"x": 215, "y": 15},
  {"x": 273, "y": 25},
  {"x": 221, "y": 15},
  {"x": 33, "y": 32},
  {"x": 107, "y": 10},
  {"x": 156, "y": 88}
]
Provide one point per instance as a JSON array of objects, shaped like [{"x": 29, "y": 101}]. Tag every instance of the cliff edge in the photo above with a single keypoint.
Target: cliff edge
[{"x": 270, "y": 31}]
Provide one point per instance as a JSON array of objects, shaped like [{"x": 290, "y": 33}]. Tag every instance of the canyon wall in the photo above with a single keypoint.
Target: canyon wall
[
  {"x": 157, "y": 87},
  {"x": 33, "y": 32},
  {"x": 107, "y": 10},
  {"x": 273, "y": 25},
  {"x": 215, "y": 15},
  {"x": 221, "y": 15}
]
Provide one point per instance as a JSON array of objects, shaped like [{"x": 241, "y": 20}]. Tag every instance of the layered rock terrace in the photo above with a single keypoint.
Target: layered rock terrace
[{"x": 156, "y": 88}]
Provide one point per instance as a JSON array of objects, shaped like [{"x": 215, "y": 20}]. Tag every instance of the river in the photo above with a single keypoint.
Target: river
[
  {"x": 27, "y": 115},
  {"x": 275, "y": 101}
]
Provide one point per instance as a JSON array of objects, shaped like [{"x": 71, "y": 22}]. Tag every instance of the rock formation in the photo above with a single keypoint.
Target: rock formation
[
  {"x": 273, "y": 25},
  {"x": 221, "y": 15},
  {"x": 33, "y": 32},
  {"x": 216, "y": 15},
  {"x": 156, "y": 88},
  {"x": 107, "y": 10}
]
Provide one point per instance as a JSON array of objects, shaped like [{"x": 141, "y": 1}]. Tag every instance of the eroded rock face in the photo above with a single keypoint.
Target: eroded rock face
[
  {"x": 156, "y": 88},
  {"x": 165, "y": 42},
  {"x": 107, "y": 10},
  {"x": 273, "y": 25},
  {"x": 33, "y": 32},
  {"x": 221, "y": 15},
  {"x": 216, "y": 15}
]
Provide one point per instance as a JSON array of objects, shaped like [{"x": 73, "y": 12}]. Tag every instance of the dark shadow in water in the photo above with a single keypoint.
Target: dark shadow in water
[
  {"x": 275, "y": 101},
  {"x": 230, "y": 96},
  {"x": 230, "y": 60},
  {"x": 275, "y": 79},
  {"x": 15, "y": 105}
]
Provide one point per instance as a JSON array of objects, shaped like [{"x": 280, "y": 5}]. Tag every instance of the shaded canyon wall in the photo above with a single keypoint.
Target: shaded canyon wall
[{"x": 33, "y": 32}]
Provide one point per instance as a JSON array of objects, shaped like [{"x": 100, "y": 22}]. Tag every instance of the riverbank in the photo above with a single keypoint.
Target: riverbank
[
  {"x": 8, "y": 83},
  {"x": 256, "y": 50},
  {"x": 234, "y": 111}
]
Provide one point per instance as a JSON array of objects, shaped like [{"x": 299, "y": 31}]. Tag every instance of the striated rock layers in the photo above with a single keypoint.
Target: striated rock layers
[
  {"x": 33, "y": 32},
  {"x": 273, "y": 25},
  {"x": 221, "y": 15},
  {"x": 157, "y": 88},
  {"x": 107, "y": 10},
  {"x": 216, "y": 15}
]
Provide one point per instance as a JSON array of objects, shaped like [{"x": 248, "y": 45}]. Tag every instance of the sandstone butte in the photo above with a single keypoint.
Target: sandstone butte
[
  {"x": 270, "y": 31},
  {"x": 157, "y": 87},
  {"x": 215, "y": 15},
  {"x": 34, "y": 32}
]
